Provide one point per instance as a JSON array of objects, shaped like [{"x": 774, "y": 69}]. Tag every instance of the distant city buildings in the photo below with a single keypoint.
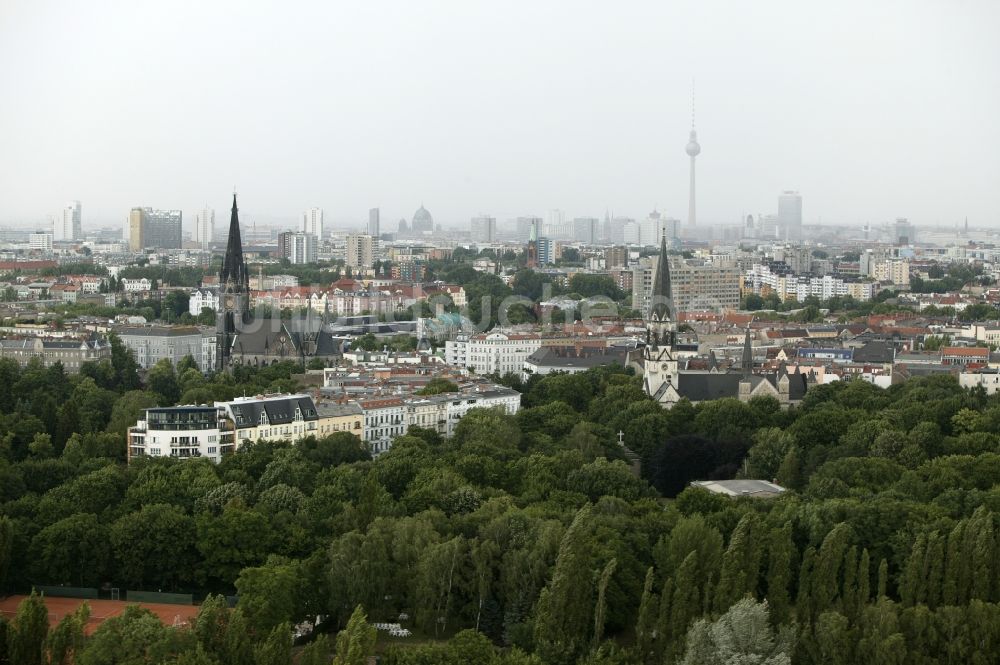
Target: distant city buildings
[
  {"x": 790, "y": 215},
  {"x": 484, "y": 229},
  {"x": 525, "y": 226},
  {"x": 422, "y": 222},
  {"x": 373, "y": 223},
  {"x": 72, "y": 223},
  {"x": 556, "y": 226},
  {"x": 586, "y": 230},
  {"x": 903, "y": 233},
  {"x": 154, "y": 228},
  {"x": 312, "y": 222},
  {"x": 204, "y": 227}
]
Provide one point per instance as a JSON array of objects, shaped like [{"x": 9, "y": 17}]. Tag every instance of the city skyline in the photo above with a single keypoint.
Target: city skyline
[{"x": 869, "y": 124}]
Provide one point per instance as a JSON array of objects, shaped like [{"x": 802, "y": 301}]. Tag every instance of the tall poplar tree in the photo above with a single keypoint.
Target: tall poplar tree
[{"x": 563, "y": 615}]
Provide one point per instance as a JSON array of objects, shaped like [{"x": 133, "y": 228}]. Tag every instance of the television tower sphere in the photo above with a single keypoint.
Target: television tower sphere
[{"x": 693, "y": 149}]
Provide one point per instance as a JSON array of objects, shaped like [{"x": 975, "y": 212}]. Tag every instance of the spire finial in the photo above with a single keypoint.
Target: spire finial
[{"x": 692, "y": 102}]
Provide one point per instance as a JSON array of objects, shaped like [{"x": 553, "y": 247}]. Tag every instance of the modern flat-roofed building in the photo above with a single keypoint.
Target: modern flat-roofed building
[
  {"x": 151, "y": 344},
  {"x": 40, "y": 241},
  {"x": 361, "y": 250},
  {"x": 696, "y": 286},
  {"x": 298, "y": 247},
  {"x": 154, "y": 228},
  {"x": 182, "y": 432}
]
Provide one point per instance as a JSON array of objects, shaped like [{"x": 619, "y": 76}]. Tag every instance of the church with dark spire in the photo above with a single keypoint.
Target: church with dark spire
[
  {"x": 242, "y": 338},
  {"x": 665, "y": 375},
  {"x": 234, "y": 292}
]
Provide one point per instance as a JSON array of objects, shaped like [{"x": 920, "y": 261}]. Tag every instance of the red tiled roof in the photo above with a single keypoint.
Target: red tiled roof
[{"x": 966, "y": 351}]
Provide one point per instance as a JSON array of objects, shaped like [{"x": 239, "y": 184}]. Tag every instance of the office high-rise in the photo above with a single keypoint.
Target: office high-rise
[
  {"x": 373, "y": 223},
  {"x": 790, "y": 215},
  {"x": 204, "y": 227},
  {"x": 71, "y": 228},
  {"x": 556, "y": 226},
  {"x": 312, "y": 222},
  {"x": 298, "y": 247},
  {"x": 903, "y": 233},
  {"x": 546, "y": 251},
  {"x": 586, "y": 230},
  {"x": 154, "y": 228},
  {"x": 618, "y": 224},
  {"x": 484, "y": 229}
]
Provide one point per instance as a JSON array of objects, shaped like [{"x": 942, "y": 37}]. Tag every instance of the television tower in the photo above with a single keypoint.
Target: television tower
[{"x": 693, "y": 150}]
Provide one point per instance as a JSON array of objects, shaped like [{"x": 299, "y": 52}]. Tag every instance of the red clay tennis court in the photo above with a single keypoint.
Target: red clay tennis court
[{"x": 102, "y": 610}]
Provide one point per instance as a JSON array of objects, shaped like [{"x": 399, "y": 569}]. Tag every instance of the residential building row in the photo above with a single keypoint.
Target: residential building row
[
  {"x": 212, "y": 431},
  {"x": 776, "y": 278}
]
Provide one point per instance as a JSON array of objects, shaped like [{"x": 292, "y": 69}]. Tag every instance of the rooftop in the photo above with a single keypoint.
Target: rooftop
[{"x": 754, "y": 488}]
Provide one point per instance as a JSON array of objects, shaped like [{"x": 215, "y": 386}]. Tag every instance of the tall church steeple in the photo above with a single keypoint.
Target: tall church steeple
[
  {"x": 660, "y": 326},
  {"x": 747, "y": 364},
  {"x": 234, "y": 268},
  {"x": 234, "y": 293},
  {"x": 659, "y": 366}
]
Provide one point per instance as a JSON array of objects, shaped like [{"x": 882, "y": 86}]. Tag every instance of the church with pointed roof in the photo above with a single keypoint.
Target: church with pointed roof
[
  {"x": 665, "y": 375},
  {"x": 245, "y": 339}
]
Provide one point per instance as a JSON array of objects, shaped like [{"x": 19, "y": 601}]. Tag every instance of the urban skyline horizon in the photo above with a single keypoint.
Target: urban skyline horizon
[{"x": 346, "y": 222}]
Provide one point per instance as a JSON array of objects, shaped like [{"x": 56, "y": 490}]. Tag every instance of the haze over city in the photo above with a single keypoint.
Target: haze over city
[{"x": 870, "y": 110}]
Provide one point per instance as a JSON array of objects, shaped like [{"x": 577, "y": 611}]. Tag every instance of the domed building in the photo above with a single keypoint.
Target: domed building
[{"x": 422, "y": 221}]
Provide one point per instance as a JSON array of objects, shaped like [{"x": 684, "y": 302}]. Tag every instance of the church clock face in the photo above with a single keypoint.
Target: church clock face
[
  {"x": 230, "y": 302},
  {"x": 664, "y": 367}
]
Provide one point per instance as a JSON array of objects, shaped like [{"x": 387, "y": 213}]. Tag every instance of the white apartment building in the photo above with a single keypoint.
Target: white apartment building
[
  {"x": 492, "y": 353},
  {"x": 896, "y": 271},
  {"x": 40, "y": 241},
  {"x": 201, "y": 298},
  {"x": 183, "y": 432},
  {"x": 385, "y": 419},
  {"x": 988, "y": 379},
  {"x": 761, "y": 280},
  {"x": 71, "y": 227}
]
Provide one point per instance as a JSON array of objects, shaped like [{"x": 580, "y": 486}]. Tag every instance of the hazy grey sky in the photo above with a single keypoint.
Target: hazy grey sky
[{"x": 872, "y": 109}]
